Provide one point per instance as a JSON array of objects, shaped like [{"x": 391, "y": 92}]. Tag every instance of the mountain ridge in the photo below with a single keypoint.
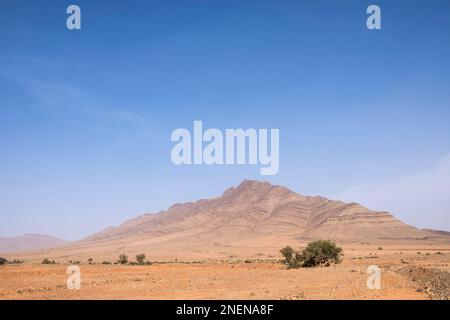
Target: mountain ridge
[
  {"x": 262, "y": 208},
  {"x": 251, "y": 217}
]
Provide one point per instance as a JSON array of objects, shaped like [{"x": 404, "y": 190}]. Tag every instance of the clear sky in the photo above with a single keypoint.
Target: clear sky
[{"x": 86, "y": 116}]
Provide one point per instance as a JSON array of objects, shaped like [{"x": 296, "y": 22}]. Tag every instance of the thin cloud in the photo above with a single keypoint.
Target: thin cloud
[
  {"x": 63, "y": 97},
  {"x": 421, "y": 199}
]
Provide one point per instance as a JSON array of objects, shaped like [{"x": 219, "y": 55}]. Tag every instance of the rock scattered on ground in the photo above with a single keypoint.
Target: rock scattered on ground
[{"x": 434, "y": 282}]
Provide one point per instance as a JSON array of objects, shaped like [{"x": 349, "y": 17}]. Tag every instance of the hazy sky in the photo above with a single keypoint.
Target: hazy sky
[{"x": 86, "y": 116}]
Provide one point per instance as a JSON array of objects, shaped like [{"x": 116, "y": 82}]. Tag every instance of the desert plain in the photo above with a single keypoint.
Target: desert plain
[
  {"x": 407, "y": 272},
  {"x": 228, "y": 247}
]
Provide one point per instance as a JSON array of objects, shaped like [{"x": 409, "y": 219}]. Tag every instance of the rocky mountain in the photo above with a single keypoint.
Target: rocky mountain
[
  {"x": 258, "y": 209},
  {"x": 252, "y": 218},
  {"x": 28, "y": 242}
]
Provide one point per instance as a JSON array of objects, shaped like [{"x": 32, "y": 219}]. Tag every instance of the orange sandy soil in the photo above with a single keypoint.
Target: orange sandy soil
[{"x": 256, "y": 280}]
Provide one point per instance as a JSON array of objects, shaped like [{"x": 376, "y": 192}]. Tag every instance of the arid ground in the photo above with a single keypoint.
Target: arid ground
[
  {"x": 407, "y": 273},
  {"x": 228, "y": 248}
]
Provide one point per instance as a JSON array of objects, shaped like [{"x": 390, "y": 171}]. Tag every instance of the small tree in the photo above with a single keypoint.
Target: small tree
[
  {"x": 3, "y": 261},
  {"x": 140, "y": 258},
  {"x": 317, "y": 253},
  {"x": 320, "y": 252},
  {"x": 123, "y": 259}
]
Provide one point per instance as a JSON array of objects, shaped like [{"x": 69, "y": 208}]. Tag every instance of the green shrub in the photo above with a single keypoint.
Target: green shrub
[
  {"x": 123, "y": 259},
  {"x": 287, "y": 253},
  {"x": 317, "y": 253},
  {"x": 140, "y": 258},
  {"x": 3, "y": 261},
  {"x": 320, "y": 252},
  {"x": 291, "y": 257},
  {"x": 106, "y": 262}
]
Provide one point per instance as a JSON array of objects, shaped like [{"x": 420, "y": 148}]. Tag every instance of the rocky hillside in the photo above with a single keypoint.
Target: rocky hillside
[{"x": 255, "y": 209}]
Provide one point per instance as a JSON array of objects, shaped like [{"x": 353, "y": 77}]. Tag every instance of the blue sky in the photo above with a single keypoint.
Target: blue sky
[{"x": 86, "y": 116}]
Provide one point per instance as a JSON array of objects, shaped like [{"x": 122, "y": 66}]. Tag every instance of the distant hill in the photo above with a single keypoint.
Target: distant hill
[
  {"x": 439, "y": 232},
  {"x": 28, "y": 242}
]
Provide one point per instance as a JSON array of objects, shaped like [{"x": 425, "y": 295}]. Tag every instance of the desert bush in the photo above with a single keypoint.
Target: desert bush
[
  {"x": 317, "y": 253},
  {"x": 106, "y": 262},
  {"x": 3, "y": 261},
  {"x": 288, "y": 254},
  {"x": 16, "y": 261},
  {"x": 380, "y": 248},
  {"x": 123, "y": 259},
  {"x": 47, "y": 261},
  {"x": 140, "y": 258},
  {"x": 291, "y": 257}
]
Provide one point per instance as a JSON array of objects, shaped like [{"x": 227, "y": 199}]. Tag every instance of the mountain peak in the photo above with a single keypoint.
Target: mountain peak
[
  {"x": 250, "y": 186},
  {"x": 258, "y": 209},
  {"x": 252, "y": 183}
]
